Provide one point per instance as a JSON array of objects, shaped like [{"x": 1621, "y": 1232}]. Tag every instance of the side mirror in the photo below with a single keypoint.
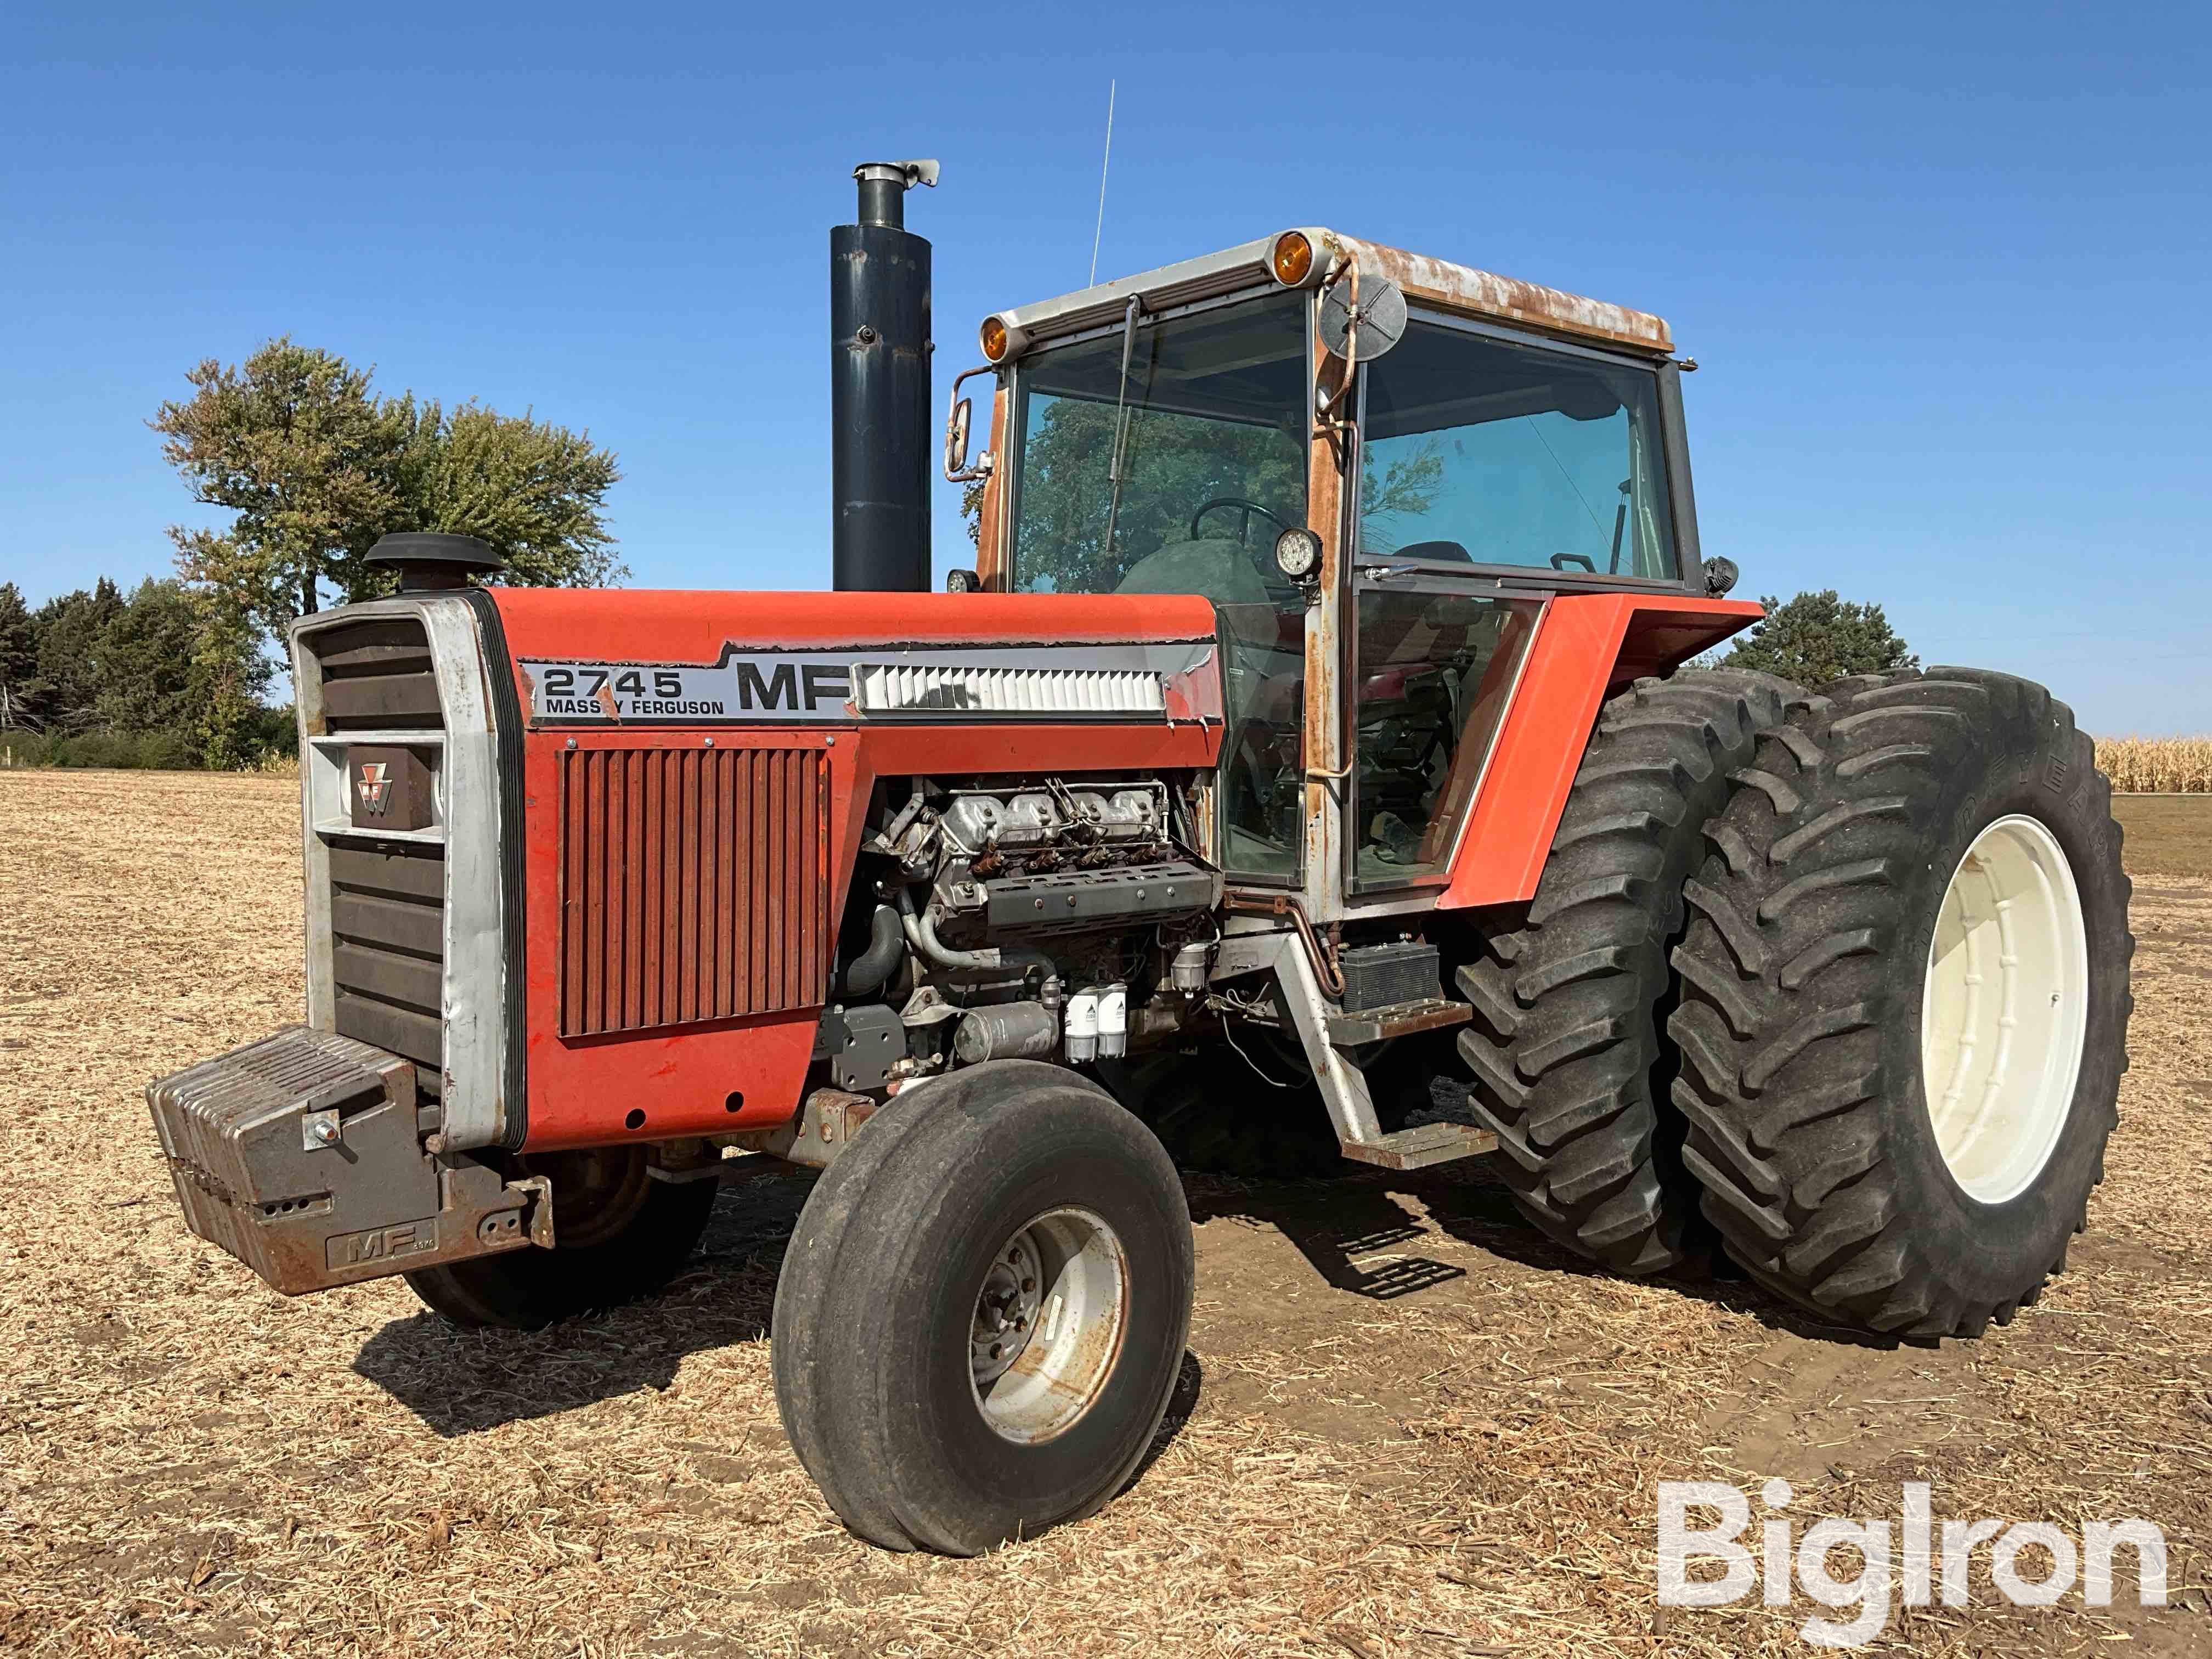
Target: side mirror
[
  {"x": 956, "y": 437},
  {"x": 1362, "y": 320},
  {"x": 957, "y": 424}
]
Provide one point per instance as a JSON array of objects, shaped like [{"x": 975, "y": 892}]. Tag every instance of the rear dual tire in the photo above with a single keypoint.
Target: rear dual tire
[
  {"x": 1914, "y": 898},
  {"x": 1569, "y": 997}
]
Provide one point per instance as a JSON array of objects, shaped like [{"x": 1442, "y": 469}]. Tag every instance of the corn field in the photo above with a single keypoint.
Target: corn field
[{"x": 2159, "y": 766}]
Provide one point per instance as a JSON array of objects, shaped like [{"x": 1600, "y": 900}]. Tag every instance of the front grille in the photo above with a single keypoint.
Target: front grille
[
  {"x": 377, "y": 676},
  {"x": 387, "y": 948},
  {"x": 387, "y": 897},
  {"x": 693, "y": 885}
]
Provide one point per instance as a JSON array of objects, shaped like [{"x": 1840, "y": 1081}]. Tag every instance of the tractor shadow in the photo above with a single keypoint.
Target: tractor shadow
[
  {"x": 1477, "y": 1211},
  {"x": 461, "y": 1381},
  {"x": 1355, "y": 1228}
]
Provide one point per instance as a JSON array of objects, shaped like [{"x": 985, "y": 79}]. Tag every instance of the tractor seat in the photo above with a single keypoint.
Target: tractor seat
[
  {"x": 1217, "y": 568},
  {"x": 1443, "y": 552}
]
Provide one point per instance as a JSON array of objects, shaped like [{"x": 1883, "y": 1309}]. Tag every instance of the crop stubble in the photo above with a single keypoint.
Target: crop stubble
[{"x": 195, "y": 1464}]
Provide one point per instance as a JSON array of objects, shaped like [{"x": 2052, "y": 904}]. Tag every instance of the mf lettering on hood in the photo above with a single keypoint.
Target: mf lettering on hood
[{"x": 747, "y": 688}]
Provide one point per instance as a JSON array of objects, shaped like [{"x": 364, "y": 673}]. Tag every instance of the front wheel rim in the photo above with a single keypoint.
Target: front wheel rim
[
  {"x": 2004, "y": 1009},
  {"x": 1048, "y": 1324}
]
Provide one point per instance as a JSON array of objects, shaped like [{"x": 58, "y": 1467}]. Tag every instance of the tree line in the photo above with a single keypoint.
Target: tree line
[
  {"x": 157, "y": 676},
  {"x": 306, "y": 465}
]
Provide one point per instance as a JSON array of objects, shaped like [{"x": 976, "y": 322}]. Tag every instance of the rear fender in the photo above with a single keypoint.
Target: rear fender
[{"x": 1587, "y": 646}]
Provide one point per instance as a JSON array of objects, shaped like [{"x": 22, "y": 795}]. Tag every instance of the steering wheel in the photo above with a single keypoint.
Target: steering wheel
[{"x": 1243, "y": 524}]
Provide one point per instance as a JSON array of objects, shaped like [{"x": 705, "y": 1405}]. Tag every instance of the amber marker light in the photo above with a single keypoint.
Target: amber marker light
[
  {"x": 994, "y": 339},
  {"x": 1292, "y": 258}
]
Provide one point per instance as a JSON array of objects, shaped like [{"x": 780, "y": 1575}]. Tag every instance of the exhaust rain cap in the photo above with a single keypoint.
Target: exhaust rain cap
[{"x": 430, "y": 560}]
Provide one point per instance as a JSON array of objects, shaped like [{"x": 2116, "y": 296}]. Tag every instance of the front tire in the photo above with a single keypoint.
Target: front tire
[
  {"x": 1016, "y": 1200},
  {"x": 1905, "y": 1001},
  {"x": 619, "y": 1234}
]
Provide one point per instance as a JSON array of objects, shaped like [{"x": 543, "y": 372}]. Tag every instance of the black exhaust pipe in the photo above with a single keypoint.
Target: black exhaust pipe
[{"x": 879, "y": 405}]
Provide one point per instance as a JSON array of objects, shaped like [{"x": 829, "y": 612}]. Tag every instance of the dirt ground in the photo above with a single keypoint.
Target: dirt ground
[{"x": 1408, "y": 1424}]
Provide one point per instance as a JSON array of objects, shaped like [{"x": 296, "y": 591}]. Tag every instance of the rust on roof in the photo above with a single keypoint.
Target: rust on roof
[
  {"x": 1461, "y": 287},
  {"x": 1426, "y": 281}
]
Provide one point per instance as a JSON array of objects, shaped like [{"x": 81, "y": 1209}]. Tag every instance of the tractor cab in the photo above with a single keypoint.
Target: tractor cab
[{"x": 1378, "y": 468}]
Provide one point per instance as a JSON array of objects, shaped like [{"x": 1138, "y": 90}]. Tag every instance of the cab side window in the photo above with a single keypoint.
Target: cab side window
[{"x": 1479, "y": 450}]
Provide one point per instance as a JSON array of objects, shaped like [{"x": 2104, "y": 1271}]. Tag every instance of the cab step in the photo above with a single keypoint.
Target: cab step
[
  {"x": 1352, "y": 1030},
  {"x": 1423, "y": 1145}
]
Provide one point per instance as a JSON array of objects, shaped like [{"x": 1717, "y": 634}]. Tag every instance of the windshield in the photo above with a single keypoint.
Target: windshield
[
  {"x": 1212, "y": 427},
  {"x": 1483, "y": 452}
]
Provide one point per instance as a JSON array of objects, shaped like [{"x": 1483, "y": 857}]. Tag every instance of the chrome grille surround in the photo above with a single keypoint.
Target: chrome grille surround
[{"x": 470, "y": 1080}]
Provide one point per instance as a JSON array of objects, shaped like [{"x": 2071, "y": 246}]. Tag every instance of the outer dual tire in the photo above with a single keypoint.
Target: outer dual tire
[
  {"x": 1806, "y": 994},
  {"x": 1569, "y": 997},
  {"x": 879, "y": 1293}
]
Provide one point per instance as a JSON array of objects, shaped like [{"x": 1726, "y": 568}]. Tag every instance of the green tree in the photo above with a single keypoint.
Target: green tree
[
  {"x": 21, "y": 689},
  {"x": 313, "y": 467},
  {"x": 230, "y": 675},
  {"x": 533, "y": 490},
  {"x": 174, "y": 659},
  {"x": 173, "y": 666},
  {"x": 971, "y": 508},
  {"x": 142, "y": 671},
  {"x": 1819, "y": 637},
  {"x": 297, "y": 446},
  {"x": 72, "y": 636}
]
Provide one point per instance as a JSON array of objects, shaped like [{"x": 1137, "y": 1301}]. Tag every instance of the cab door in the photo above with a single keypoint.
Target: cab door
[{"x": 1430, "y": 666}]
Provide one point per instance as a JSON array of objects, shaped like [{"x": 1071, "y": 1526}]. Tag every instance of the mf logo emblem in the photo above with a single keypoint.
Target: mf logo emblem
[
  {"x": 381, "y": 1243},
  {"x": 374, "y": 783}
]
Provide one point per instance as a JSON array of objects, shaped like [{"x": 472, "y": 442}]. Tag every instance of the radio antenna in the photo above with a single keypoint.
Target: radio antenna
[{"x": 1100, "y": 229}]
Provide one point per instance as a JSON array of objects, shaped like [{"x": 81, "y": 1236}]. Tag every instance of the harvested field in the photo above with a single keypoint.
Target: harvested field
[{"x": 1408, "y": 1425}]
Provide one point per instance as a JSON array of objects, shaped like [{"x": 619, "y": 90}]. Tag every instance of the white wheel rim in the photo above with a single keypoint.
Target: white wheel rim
[
  {"x": 1048, "y": 1324},
  {"x": 2004, "y": 1009}
]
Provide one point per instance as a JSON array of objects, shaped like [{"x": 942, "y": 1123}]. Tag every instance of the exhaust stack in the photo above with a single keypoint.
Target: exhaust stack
[{"x": 879, "y": 403}]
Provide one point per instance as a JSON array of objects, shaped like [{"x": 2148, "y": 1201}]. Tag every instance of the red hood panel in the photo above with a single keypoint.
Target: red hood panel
[{"x": 673, "y": 625}]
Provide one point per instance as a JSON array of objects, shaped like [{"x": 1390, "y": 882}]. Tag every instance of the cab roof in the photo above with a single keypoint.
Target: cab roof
[{"x": 1426, "y": 281}]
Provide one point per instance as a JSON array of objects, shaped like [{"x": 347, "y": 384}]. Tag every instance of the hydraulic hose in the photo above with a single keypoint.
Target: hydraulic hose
[{"x": 867, "y": 972}]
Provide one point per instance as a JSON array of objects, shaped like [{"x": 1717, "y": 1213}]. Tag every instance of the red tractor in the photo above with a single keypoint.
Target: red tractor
[{"x": 1319, "y": 702}]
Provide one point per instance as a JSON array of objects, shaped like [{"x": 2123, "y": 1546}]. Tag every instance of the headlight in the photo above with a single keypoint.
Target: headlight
[{"x": 1297, "y": 553}]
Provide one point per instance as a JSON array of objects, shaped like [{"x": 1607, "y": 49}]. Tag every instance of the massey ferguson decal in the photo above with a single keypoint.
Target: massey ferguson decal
[
  {"x": 1151, "y": 681},
  {"x": 373, "y": 785},
  {"x": 780, "y": 688}
]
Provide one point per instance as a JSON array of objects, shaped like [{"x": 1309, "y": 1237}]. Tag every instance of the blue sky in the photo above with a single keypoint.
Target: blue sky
[{"x": 1945, "y": 268}]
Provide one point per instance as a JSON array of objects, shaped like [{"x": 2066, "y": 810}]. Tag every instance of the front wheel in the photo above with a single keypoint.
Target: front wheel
[
  {"x": 982, "y": 1311},
  {"x": 1904, "y": 1001},
  {"x": 619, "y": 1234}
]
